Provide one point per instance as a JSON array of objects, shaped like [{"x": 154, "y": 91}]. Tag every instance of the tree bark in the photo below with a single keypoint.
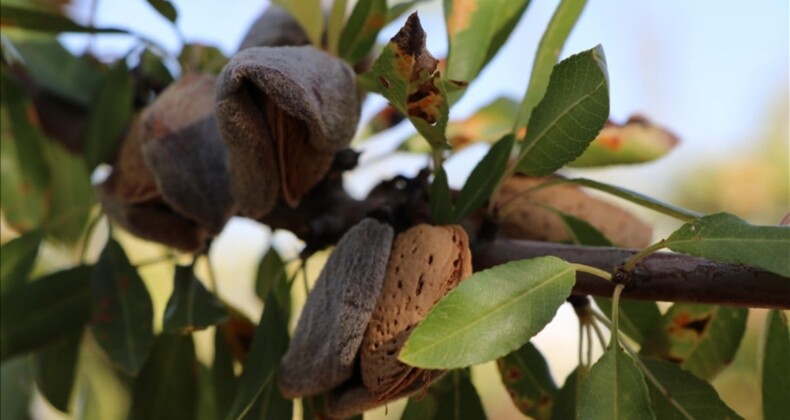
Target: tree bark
[{"x": 661, "y": 276}]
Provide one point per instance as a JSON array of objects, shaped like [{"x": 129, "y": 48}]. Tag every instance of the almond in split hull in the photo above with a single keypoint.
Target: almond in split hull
[
  {"x": 425, "y": 263},
  {"x": 325, "y": 344},
  {"x": 522, "y": 216}
]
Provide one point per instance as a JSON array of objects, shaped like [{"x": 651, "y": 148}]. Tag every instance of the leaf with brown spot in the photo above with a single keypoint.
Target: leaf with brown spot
[
  {"x": 406, "y": 74},
  {"x": 526, "y": 376},
  {"x": 702, "y": 339}
]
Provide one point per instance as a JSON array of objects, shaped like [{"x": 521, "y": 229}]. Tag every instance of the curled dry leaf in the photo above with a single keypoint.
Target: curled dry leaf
[
  {"x": 524, "y": 218},
  {"x": 182, "y": 146},
  {"x": 329, "y": 333},
  {"x": 283, "y": 112},
  {"x": 426, "y": 262},
  {"x": 274, "y": 28},
  {"x": 170, "y": 181}
]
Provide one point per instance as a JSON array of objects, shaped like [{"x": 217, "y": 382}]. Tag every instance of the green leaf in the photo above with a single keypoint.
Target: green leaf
[
  {"x": 271, "y": 276},
  {"x": 165, "y": 8},
  {"x": 490, "y": 314},
  {"x": 637, "y": 141},
  {"x": 697, "y": 397},
  {"x": 268, "y": 346},
  {"x": 38, "y": 313},
  {"x": 17, "y": 257},
  {"x": 424, "y": 408},
  {"x": 110, "y": 113},
  {"x": 56, "y": 368},
  {"x": 337, "y": 17},
  {"x": 554, "y": 37},
  {"x": 614, "y": 389},
  {"x": 270, "y": 405},
  {"x": 528, "y": 381},
  {"x": 461, "y": 402},
  {"x": 54, "y": 68},
  {"x": 483, "y": 179},
  {"x": 72, "y": 194},
  {"x": 199, "y": 58},
  {"x": 569, "y": 116},
  {"x": 16, "y": 388},
  {"x": 776, "y": 366},
  {"x": 635, "y": 197},
  {"x": 167, "y": 387},
  {"x": 123, "y": 313},
  {"x": 152, "y": 70},
  {"x": 222, "y": 374},
  {"x": 399, "y": 9},
  {"x": 359, "y": 34},
  {"x": 728, "y": 238},
  {"x": 638, "y": 319},
  {"x": 207, "y": 403},
  {"x": 309, "y": 15},
  {"x": 25, "y": 175},
  {"x": 580, "y": 231},
  {"x": 405, "y": 73},
  {"x": 566, "y": 398},
  {"x": 191, "y": 307},
  {"x": 475, "y": 31},
  {"x": 702, "y": 339},
  {"x": 441, "y": 204},
  {"x": 37, "y": 20}
]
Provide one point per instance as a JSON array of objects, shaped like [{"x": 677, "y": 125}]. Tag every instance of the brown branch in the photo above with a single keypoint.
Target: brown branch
[{"x": 659, "y": 277}]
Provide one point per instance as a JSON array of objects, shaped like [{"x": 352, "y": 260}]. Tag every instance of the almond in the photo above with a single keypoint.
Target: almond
[{"x": 425, "y": 263}]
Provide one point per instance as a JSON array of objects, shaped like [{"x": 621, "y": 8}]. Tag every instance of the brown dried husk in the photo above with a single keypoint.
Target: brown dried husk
[
  {"x": 426, "y": 262},
  {"x": 182, "y": 146},
  {"x": 327, "y": 338},
  {"x": 524, "y": 218},
  {"x": 283, "y": 113}
]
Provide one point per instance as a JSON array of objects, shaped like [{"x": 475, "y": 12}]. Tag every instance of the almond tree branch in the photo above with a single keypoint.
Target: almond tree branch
[{"x": 659, "y": 277}]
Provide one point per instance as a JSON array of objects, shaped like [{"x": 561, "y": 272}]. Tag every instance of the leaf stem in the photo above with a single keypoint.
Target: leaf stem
[
  {"x": 629, "y": 265},
  {"x": 581, "y": 342},
  {"x": 597, "y": 272},
  {"x": 618, "y": 290},
  {"x": 589, "y": 344},
  {"x": 88, "y": 235},
  {"x": 599, "y": 333}
]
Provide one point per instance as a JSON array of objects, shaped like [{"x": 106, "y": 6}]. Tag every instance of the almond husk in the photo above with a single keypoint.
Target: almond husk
[
  {"x": 426, "y": 262},
  {"x": 182, "y": 146},
  {"x": 346, "y": 402},
  {"x": 526, "y": 219},
  {"x": 131, "y": 182},
  {"x": 283, "y": 112},
  {"x": 330, "y": 330},
  {"x": 275, "y": 27}
]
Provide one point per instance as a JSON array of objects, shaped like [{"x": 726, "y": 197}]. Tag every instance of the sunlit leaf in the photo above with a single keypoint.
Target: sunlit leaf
[
  {"x": 165, "y": 8},
  {"x": 38, "y": 313},
  {"x": 528, "y": 381},
  {"x": 488, "y": 124},
  {"x": 638, "y": 319},
  {"x": 406, "y": 74},
  {"x": 56, "y": 367},
  {"x": 268, "y": 346},
  {"x": 569, "y": 116},
  {"x": 565, "y": 400},
  {"x": 702, "y": 339},
  {"x": 110, "y": 113},
  {"x": 309, "y": 15},
  {"x": 362, "y": 28},
  {"x": 122, "y": 310},
  {"x": 167, "y": 387},
  {"x": 636, "y": 141},
  {"x": 490, "y": 314},
  {"x": 483, "y": 179},
  {"x": 337, "y": 19},
  {"x": 441, "y": 203},
  {"x": 17, "y": 257},
  {"x": 475, "y": 31},
  {"x": 16, "y": 388},
  {"x": 728, "y": 238},
  {"x": 554, "y": 37},
  {"x": 776, "y": 367},
  {"x": 191, "y": 307},
  {"x": 25, "y": 175},
  {"x": 37, "y": 20},
  {"x": 695, "y": 396},
  {"x": 614, "y": 389},
  {"x": 72, "y": 194}
]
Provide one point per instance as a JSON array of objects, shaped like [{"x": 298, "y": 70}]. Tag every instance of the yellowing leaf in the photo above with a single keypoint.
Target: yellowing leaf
[{"x": 636, "y": 141}]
